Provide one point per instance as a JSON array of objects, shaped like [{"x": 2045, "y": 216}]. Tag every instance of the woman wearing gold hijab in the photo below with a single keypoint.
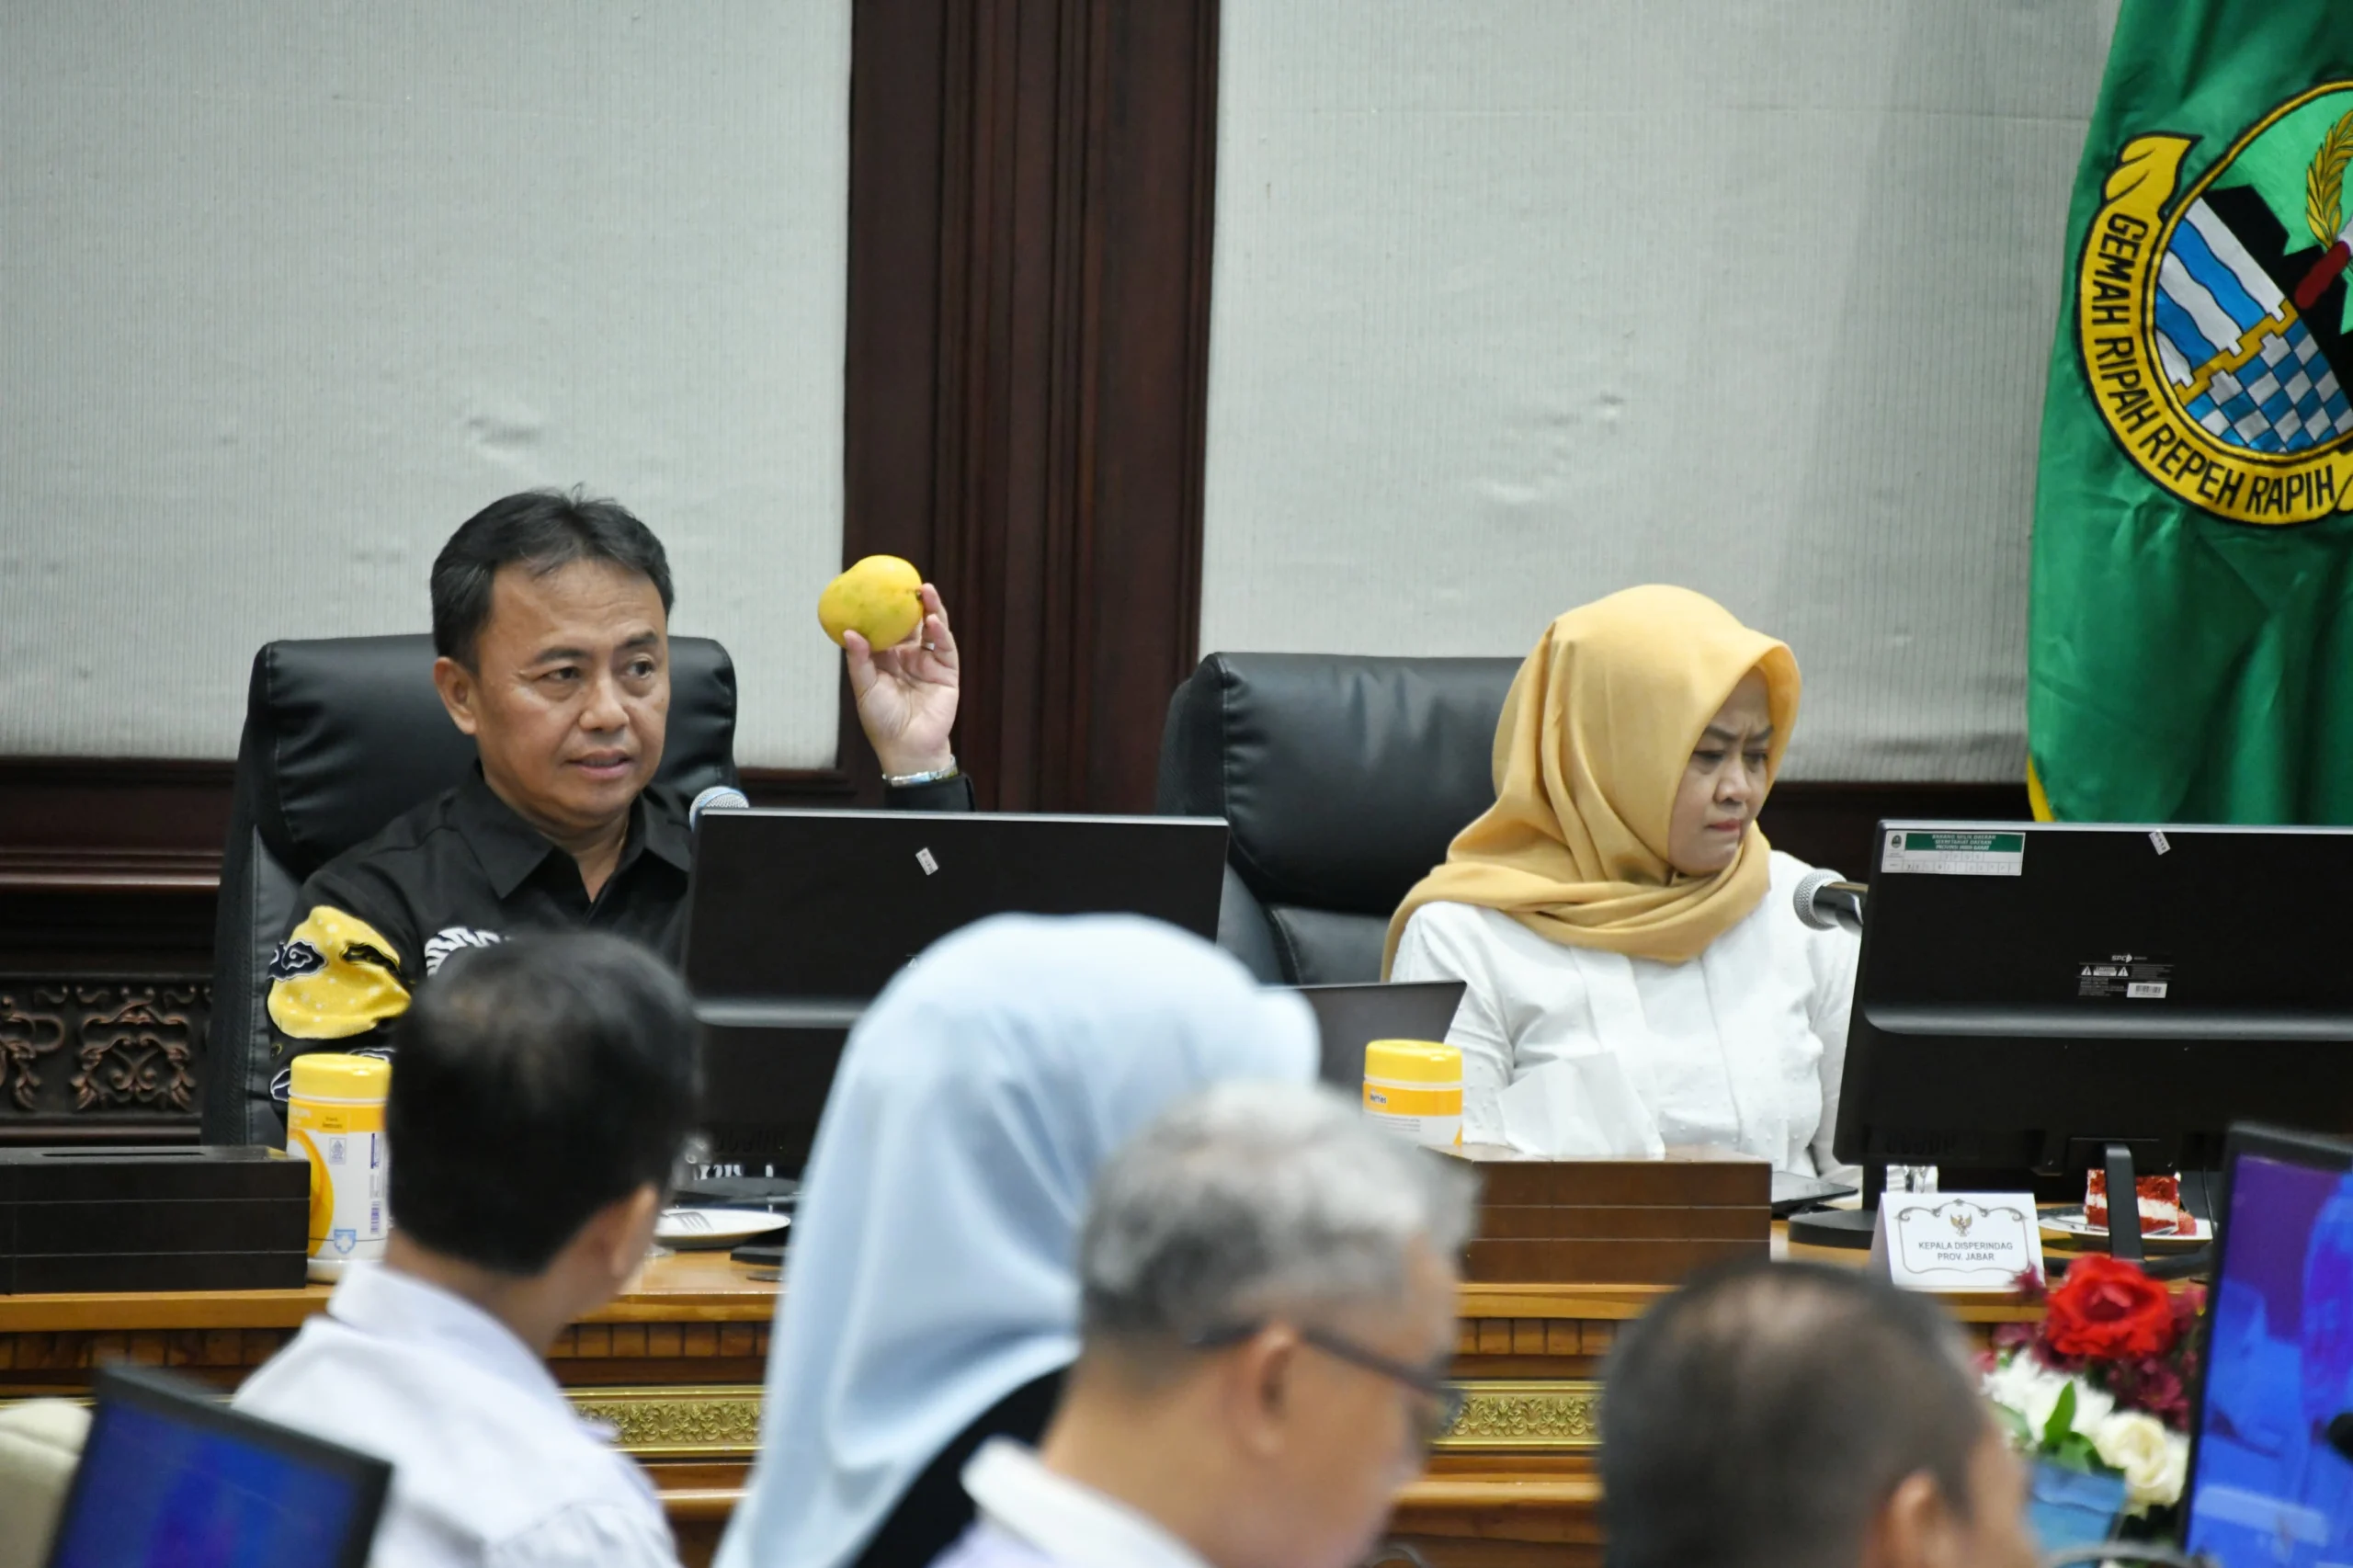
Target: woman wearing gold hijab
[{"x": 1619, "y": 898}]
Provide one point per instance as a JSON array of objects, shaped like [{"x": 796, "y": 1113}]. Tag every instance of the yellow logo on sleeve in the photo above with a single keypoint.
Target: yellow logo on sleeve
[{"x": 334, "y": 976}]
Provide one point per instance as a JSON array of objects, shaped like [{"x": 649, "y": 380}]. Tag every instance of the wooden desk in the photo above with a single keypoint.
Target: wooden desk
[{"x": 675, "y": 1366}]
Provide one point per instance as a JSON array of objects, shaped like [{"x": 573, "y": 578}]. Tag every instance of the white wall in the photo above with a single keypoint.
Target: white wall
[
  {"x": 1520, "y": 301},
  {"x": 289, "y": 288}
]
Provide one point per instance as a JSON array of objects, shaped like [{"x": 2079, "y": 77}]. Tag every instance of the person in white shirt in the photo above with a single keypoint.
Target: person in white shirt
[
  {"x": 1266, "y": 1316},
  {"x": 544, "y": 1094},
  {"x": 1618, "y": 901}
]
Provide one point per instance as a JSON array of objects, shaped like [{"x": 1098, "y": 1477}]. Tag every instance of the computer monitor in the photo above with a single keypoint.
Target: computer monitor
[
  {"x": 170, "y": 1475},
  {"x": 2028, "y": 995},
  {"x": 2271, "y": 1454},
  {"x": 796, "y": 919}
]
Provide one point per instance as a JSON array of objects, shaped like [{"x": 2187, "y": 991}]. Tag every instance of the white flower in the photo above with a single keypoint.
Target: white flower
[
  {"x": 2025, "y": 1385},
  {"x": 2155, "y": 1462}
]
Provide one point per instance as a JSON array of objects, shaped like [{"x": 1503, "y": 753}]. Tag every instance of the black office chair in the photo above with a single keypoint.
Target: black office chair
[
  {"x": 343, "y": 734},
  {"x": 1344, "y": 779}
]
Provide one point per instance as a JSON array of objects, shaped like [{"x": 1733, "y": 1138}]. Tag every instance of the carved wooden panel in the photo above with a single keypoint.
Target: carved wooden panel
[
  {"x": 1539, "y": 1414},
  {"x": 713, "y": 1421},
  {"x": 81, "y": 1351},
  {"x": 83, "y": 1059}
]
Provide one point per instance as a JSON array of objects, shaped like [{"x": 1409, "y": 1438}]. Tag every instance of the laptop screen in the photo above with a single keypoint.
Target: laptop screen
[
  {"x": 168, "y": 1479},
  {"x": 2269, "y": 1486},
  {"x": 1349, "y": 1018}
]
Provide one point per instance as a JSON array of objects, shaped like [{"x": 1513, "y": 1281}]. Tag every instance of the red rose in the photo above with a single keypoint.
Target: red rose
[{"x": 2108, "y": 1311}]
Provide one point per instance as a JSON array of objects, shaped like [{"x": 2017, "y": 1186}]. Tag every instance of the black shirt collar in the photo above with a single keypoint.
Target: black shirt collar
[
  {"x": 658, "y": 821},
  {"x": 511, "y": 849}
]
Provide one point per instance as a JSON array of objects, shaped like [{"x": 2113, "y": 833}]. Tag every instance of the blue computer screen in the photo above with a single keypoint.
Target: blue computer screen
[
  {"x": 2268, "y": 1488},
  {"x": 169, "y": 1495}
]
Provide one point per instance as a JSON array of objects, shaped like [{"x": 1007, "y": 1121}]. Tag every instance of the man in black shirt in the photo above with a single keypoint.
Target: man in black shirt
[{"x": 550, "y": 618}]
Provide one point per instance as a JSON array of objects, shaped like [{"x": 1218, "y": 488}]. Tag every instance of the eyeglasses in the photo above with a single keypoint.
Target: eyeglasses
[{"x": 1443, "y": 1400}]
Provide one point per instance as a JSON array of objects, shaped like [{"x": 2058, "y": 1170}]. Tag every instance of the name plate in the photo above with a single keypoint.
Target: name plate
[{"x": 1956, "y": 1241}]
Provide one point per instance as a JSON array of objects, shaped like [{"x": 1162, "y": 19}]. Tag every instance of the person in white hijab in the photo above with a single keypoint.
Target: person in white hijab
[{"x": 931, "y": 1295}]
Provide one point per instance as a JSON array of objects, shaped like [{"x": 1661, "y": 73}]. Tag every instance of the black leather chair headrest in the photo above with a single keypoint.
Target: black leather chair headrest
[
  {"x": 1344, "y": 778},
  {"x": 345, "y": 734}
]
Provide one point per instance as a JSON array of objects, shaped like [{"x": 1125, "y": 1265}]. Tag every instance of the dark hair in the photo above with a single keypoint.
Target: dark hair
[
  {"x": 537, "y": 1080},
  {"x": 541, "y": 529},
  {"x": 1761, "y": 1417}
]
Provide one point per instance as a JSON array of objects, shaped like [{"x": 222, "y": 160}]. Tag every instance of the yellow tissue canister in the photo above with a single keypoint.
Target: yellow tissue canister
[
  {"x": 1414, "y": 1089},
  {"x": 334, "y": 1119}
]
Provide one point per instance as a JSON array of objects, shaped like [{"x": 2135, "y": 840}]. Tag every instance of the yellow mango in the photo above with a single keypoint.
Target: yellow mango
[{"x": 877, "y": 599}]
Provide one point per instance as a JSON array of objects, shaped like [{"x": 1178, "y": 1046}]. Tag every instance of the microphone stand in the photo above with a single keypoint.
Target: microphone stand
[{"x": 1847, "y": 1228}]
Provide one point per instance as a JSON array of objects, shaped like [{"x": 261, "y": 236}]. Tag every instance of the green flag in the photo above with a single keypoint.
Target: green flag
[{"x": 2190, "y": 651}]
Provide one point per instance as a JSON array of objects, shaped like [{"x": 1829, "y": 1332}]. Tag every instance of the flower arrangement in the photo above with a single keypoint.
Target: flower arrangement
[{"x": 2101, "y": 1384}]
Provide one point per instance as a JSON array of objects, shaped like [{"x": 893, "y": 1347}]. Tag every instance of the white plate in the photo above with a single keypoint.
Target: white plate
[
  {"x": 2070, "y": 1222},
  {"x": 690, "y": 1230}
]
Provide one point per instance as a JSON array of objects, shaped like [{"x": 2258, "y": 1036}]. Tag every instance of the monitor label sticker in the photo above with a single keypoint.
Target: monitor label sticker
[
  {"x": 2130, "y": 977},
  {"x": 1947, "y": 852}
]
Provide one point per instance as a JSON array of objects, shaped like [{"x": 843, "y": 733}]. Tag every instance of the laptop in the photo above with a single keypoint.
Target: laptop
[
  {"x": 2271, "y": 1454},
  {"x": 825, "y": 907},
  {"x": 796, "y": 919},
  {"x": 171, "y": 1476},
  {"x": 1350, "y": 1017}
]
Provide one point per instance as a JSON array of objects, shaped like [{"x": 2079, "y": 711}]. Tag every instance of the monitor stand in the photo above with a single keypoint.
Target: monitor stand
[
  {"x": 1843, "y": 1227},
  {"x": 2124, "y": 1201},
  {"x": 2124, "y": 1241}
]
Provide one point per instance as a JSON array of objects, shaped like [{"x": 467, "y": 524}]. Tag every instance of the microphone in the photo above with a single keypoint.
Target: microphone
[
  {"x": 1824, "y": 901},
  {"x": 717, "y": 798}
]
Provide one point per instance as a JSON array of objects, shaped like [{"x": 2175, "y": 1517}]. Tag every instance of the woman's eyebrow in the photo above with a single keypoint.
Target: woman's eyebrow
[{"x": 1719, "y": 733}]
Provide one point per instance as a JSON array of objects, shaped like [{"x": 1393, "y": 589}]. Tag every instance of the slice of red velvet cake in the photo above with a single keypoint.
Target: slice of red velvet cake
[{"x": 2161, "y": 1211}]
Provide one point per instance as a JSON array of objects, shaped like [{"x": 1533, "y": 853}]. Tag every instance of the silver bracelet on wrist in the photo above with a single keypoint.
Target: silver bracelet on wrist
[{"x": 915, "y": 780}]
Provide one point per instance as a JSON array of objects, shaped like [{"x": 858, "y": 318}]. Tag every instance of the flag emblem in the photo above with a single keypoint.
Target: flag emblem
[{"x": 2216, "y": 330}]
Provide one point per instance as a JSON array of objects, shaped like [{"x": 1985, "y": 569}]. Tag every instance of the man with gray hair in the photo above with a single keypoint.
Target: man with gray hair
[{"x": 1267, "y": 1315}]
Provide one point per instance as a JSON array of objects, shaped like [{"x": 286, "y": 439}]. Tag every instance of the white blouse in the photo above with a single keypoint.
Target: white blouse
[{"x": 1741, "y": 1046}]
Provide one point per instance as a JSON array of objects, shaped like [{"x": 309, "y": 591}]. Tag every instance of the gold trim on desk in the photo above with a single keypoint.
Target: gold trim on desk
[
  {"x": 707, "y": 1422},
  {"x": 1531, "y": 1415},
  {"x": 723, "y": 1421},
  {"x": 685, "y": 1423}
]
